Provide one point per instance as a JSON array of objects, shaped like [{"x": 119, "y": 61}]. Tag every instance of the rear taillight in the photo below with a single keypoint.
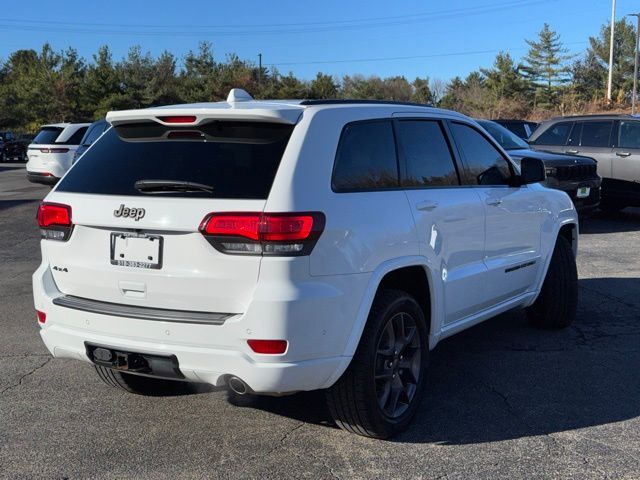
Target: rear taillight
[
  {"x": 268, "y": 347},
  {"x": 263, "y": 233},
  {"x": 42, "y": 317},
  {"x": 54, "y": 220},
  {"x": 54, "y": 150}
]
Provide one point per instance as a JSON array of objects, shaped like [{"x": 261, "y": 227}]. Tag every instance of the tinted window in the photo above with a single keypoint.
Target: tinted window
[
  {"x": 366, "y": 157},
  {"x": 47, "y": 135},
  {"x": 484, "y": 163},
  {"x": 556, "y": 134},
  {"x": 93, "y": 133},
  {"x": 629, "y": 136},
  {"x": 595, "y": 134},
  {"x": 426, "y": 154},
  {"x": 506, "y": 138},
  {"x": 236, "y": 159},
  {"x": 76, "y": 137}
]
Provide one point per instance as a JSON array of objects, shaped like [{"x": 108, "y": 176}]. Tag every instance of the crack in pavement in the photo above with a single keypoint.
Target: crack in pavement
[
  {"x": 31, "y": 372},
  {"x": 512, "y": 412}
]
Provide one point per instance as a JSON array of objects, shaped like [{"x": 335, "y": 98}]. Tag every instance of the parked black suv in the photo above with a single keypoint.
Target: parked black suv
[
  {"x": 573, "y": 174},
  {"x": 613, "y": 140}
]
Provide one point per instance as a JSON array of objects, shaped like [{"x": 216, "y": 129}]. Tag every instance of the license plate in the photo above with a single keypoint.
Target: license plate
[
  {"x": 583, "y": 192},
  {"x": 136, "y": 250}
]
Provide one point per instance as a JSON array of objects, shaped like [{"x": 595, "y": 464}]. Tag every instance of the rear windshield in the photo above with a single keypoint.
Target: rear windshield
[
  {"x": 47, "y": 135},
  {"x": 234, "y": 159}
]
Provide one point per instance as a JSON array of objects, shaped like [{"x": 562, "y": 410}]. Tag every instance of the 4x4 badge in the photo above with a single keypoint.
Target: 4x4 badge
[{"x": 135, "y": 213}]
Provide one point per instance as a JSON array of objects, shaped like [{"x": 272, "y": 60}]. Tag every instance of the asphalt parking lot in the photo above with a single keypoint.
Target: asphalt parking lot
[{"x": 504, "y": 400}]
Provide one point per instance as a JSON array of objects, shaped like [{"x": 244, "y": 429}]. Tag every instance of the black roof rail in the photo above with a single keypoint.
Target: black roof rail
[
  {"x": 349, "y": 101},
  {"x": 593, "y": 115}
]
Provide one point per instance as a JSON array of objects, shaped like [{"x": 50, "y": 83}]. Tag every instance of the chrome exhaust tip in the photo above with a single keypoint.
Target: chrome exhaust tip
[{"x": 238, "y": 386}]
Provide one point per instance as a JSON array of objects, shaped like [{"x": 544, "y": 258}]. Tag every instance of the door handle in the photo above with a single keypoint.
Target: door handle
[
  {"x": 623, "y": 154},
  {"x": 426, "y": 205},
  {"x": 571, "y": 152},
  {"x": 494, "y": 202}
]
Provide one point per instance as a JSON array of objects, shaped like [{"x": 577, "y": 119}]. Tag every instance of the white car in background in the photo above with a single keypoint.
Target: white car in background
[{"x": 52, "y": 150}]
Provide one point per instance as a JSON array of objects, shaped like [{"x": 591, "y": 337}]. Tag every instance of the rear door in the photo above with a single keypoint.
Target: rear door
[
  {"x": 141, "y": 245},
  {"x": 513, "y": 215},
  {"x": 593, "y": 138},
  {"x": 449, "y": 218},
  {"x": 625, "y": 171}
]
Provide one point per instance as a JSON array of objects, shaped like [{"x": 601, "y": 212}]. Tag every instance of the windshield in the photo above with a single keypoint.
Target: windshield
[{"x": 507, "y": 139}]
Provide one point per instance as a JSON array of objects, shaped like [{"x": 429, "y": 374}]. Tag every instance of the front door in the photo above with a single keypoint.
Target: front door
[{"x": 513, "y": 216}]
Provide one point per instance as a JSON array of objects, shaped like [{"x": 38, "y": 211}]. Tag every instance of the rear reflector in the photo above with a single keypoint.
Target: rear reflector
[
  {"x": 177, "y": 118},
  {"x": 263, "y": 233},
  {"x": 42, "y": 317},
  {"x": 268, "y": 347},
  {"x": 54, "y": 220}
]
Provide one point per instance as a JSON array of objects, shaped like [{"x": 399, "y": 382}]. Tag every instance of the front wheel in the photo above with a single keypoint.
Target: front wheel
[
  {"x": 557, "y": 303},
  {"x": 380, "y": 391}
]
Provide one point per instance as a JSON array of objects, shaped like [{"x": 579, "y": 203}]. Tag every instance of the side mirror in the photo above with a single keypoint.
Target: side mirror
[{"x": 531, "y": 171}]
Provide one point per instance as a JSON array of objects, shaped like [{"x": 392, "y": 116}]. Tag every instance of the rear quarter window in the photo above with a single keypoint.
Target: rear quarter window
[
  {"x": 47, "y": 135},
  {"x": 556, "y": 134},
  {"x": 236, "y": 159},
  {"x": 366, "y": 158}
]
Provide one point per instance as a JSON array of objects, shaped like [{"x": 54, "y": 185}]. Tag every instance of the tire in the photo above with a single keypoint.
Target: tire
[
  {"x": 556, "y": 305},
  {"x": 141, "y": 385},
  {"x": 354, "y": 401}
]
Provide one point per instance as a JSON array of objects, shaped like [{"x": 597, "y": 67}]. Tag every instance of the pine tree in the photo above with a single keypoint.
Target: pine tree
[
  {"x": 546, "y": 66},
  {"x": 323, "y": 86},
  {"x": 624, "y": 47}
]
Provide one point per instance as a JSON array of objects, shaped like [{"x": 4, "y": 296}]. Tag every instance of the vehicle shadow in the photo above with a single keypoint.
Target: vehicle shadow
[
  {"x": 504, "y": 379},
  {"x": 627, "y": 220}
]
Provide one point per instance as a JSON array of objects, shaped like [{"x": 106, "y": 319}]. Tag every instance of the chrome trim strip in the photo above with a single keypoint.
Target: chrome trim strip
[{"x": 142, "y": 313}]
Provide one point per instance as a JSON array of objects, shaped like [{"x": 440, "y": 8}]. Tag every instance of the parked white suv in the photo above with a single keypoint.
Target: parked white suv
[
  {"x": 51, "y": 152},
  {"x": 276, "y": 247}
]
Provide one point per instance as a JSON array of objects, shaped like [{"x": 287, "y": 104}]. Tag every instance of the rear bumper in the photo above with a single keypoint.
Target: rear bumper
[
  {"x": 42, "y": 178},
  {"x": 211, "y": 353}
]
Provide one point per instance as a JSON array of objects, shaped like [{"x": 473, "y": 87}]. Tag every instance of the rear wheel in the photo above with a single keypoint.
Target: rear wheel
[
  {"x": 556, "y": 305},
  {"x": 141, "y": 385},
  {"x": 380, "y": 391}
]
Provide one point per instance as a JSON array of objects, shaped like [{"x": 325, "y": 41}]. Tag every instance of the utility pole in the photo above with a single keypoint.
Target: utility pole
[
  {"x": 260, "y": 69},
  {"x": 634, "y": 96},
  {"x": 613, "y": 26}
]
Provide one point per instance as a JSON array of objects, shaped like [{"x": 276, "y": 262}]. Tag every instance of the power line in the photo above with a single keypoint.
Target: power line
[
  {"x": 309, "y": 27},
  {"x": 408, "y": 57}
]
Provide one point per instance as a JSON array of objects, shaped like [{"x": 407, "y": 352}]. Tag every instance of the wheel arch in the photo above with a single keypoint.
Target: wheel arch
[{"x": 401, "y": 273}]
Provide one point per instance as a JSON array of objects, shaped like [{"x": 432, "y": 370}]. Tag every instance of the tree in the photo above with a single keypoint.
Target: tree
[
  {"x": 101, "y": 88},
  {"x": 588, "y": 78},
  {"x": 196, "y": 78},
  {"x": 421, "y": 91},
  {"x": 508, "y": 89},
  {"x": 546, "y": 66},
  {"x": 323, "y": 86},
  {"x": 624, "y": 45}
]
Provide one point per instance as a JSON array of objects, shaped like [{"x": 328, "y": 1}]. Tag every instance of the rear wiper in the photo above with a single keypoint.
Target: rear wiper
[{"x": 159, "y": 186}]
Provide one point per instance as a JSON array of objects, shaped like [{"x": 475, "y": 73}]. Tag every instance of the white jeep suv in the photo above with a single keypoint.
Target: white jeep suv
[
  {"x": 282, "y": 246},
  {"x": 51, "y": 152}
]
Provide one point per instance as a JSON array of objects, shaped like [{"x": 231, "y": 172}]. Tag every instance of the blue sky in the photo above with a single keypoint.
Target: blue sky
[{"x": 411, "y": 38}]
